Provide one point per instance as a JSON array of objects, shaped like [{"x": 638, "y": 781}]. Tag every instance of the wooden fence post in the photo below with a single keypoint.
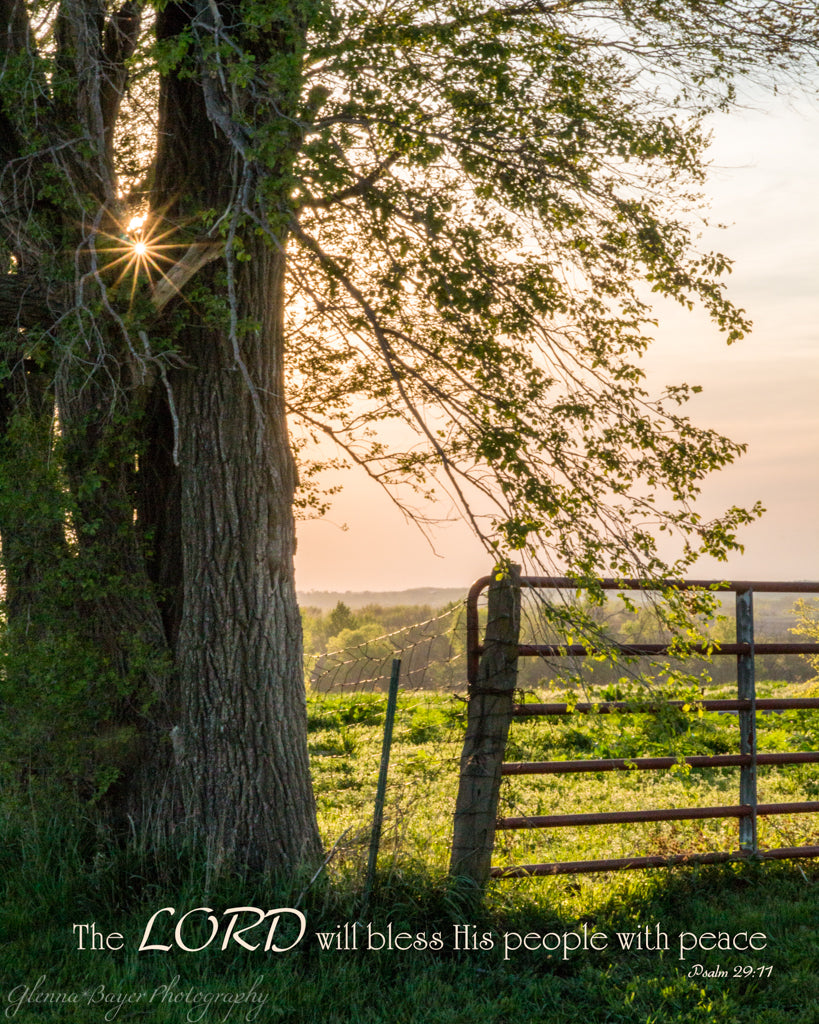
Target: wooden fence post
[{"x": 488, "y": 717}]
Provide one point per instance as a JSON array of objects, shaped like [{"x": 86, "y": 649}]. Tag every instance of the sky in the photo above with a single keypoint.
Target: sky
[{"x": 763, "y": 390}]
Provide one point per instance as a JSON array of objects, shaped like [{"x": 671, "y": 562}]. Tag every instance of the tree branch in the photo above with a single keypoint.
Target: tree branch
[
  {"x": 171, "y": 284},
  {"x": 16, "y": 38},
  {"x": 25, "y": 301},
  {"x": 118, "y": 44},
  {"x": 360, "y": 188}
]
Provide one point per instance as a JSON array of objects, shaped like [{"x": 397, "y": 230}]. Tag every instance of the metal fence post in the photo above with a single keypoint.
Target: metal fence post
[
  {"x": 489, "y": 714},
  {"x": 381, "y": 789},
  {"x": 746, "y": 690}
]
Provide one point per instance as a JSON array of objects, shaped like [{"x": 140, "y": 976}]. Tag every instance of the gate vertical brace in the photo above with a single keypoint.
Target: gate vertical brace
[
  {"x": 746, "y": 690},
  {"x": 489, "y": 714}
]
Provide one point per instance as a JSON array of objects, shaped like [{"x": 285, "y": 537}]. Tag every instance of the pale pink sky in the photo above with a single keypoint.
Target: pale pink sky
[{"x": 764, "y": 390}]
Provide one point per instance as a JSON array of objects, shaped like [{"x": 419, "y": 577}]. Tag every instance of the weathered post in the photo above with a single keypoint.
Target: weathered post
[
  {"x": 746, "y": 690},
  {"x": 489, "y": 714}
]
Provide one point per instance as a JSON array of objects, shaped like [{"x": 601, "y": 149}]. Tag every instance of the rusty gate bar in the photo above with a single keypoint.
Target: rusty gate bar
[
  {"x": 611, "y": 707},
  {"x": 627, "y": 764},
  {"x": 579, "y": 651},
  {"x": 669, "y": 814},
  {"x": 474, "y": 647},
  {"x": 745, "y": 706}
]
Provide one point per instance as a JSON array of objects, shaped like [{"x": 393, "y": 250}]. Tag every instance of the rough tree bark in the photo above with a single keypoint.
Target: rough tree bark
[
  {"x": 182, "y": 477},
  {"x": 241, "y": 735}
]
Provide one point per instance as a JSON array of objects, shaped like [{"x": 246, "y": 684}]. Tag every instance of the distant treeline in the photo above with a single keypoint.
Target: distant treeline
[{"x": 348, "y": 648}]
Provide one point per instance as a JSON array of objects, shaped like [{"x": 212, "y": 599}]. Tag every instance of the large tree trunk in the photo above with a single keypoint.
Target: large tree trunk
[
  {"x": 242, "y": 731},
  {"x": 241, "y": 737},
  {"x": 114, "y": 600}
]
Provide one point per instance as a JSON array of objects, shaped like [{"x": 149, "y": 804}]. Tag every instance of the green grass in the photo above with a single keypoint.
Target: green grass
[{"x": 58, "y": 870}]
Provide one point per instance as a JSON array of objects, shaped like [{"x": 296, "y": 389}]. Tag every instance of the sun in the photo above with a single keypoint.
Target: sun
[{"x": 141, "y": 248}]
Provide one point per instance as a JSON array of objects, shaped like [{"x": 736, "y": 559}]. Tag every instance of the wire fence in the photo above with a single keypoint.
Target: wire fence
[
  {"x": 347, "y": 704},
  {"x": 432, "y": 655}
]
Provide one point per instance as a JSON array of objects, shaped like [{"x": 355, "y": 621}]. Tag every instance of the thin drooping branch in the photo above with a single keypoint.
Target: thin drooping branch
[
  {"x": 448, "y": 465},
  {"x": 360, "y": 188}
]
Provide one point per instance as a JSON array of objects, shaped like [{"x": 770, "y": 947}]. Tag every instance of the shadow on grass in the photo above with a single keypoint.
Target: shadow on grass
[{"x": 661, "y": 946}]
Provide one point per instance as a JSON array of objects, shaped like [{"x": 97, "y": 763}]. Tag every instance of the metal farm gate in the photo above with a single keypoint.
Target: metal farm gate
[{"x": 492, "y": 676}]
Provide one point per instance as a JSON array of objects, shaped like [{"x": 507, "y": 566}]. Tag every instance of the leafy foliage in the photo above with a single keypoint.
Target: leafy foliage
[
  {"x": 808, "y": 626},
  {"x": 484, "y": 192}
]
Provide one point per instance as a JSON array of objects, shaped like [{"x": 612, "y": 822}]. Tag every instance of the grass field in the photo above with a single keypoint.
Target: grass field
[
  {"x": 345, "y": 743},
  {"x": 626, "y": 947}
]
